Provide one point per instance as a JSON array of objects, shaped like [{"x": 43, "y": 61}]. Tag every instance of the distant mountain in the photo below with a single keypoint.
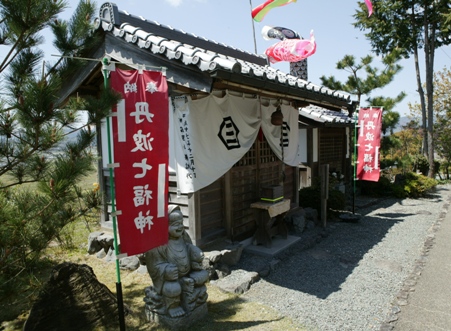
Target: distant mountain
[{"x": 402, "y": 122}]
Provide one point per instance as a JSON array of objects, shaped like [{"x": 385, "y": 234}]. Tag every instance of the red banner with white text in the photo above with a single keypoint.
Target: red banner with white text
[
  {"x": 141, "y": 155},
  {"x": 369, "y": 142}
]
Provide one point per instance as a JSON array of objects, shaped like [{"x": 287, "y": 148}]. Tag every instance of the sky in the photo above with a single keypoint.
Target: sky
[{"x": 230, "y": 22}]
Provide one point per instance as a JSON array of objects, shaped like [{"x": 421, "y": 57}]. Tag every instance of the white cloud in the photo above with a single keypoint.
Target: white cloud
[{"x": 174, "y": 3}]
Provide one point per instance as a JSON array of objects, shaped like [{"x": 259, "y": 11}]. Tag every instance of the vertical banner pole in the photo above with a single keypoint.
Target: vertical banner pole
[
  {"x": 324, "y": 192},
  {"x": 253, "y": 28},
  {"x": 356, "y": 119},
  {"x": 120, "y": 302}
]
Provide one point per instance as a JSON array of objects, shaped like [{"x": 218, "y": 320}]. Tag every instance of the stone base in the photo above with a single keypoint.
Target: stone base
[
  {"x": 180, "y": 323},
  {"x": 350, "y": 217}
]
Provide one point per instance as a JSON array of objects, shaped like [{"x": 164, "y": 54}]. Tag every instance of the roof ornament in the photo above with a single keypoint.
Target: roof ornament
[{"x": 109, "y": 13}]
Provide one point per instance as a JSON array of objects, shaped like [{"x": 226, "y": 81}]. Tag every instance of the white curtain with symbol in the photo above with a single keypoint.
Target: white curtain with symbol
[
  {"x": 213, "y": 133},
  {"x": 290, "y": 131}
]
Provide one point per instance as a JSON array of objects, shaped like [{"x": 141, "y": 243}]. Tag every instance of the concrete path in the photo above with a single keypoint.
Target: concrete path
[{"x": 429, "y": 305}]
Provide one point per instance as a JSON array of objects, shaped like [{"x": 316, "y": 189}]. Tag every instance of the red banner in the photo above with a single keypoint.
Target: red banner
[
  {"x": 369, "y": 142},
  {"x": 141, "y": 156}
]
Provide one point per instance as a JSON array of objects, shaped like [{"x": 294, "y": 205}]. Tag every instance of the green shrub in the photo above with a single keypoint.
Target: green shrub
[
  {"x": 310, "y": 197},
  {"x": 381, "y": 188},
  {"x": 336, "y": 200},
  {"x": 413, "y": 185},
  {"x": 422, "y": 164},
  {"x": 410, "y": 185},
  {"x": 437, "y": 166}
]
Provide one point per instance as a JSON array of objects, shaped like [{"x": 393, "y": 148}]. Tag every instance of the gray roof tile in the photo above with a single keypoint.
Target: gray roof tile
[
  {"x": 326, "y": 116},
  {"x": 206, "y": 60}
]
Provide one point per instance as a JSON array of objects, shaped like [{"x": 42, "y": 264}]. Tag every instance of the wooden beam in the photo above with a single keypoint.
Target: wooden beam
[
  {"x": 194, "y": 221},
  {"x": 228, "y": 203}
]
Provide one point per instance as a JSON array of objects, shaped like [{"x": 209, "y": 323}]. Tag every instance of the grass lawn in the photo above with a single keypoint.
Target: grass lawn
[{"x": 225, "y": 311}]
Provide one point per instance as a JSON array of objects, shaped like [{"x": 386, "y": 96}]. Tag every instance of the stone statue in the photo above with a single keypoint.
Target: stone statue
[{"x": 176, "y": 271}]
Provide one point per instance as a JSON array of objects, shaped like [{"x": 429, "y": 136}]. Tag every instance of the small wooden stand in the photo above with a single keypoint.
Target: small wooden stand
[{"x": 269, "y": 217}]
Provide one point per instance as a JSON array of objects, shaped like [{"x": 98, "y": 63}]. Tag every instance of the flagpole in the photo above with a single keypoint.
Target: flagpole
[
  {"x": 120, "y": 301},
  {"x": 253, "y": 28},
  {"x": 355, "y": 158}
]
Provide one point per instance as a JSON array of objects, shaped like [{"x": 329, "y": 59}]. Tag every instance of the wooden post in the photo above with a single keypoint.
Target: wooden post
[
  {"x": 324, "y": 192},
  {"x": 228, "y": 204},
  {"x": 194, "y": 220}
]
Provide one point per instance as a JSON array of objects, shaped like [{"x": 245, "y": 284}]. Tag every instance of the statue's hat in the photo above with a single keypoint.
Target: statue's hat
[{"x": 172, "y": 208}]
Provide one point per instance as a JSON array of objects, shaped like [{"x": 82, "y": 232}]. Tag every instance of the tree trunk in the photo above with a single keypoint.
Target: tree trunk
[
  {"x": 424, "y": 148},
  {"x": 420, "y": 91},
  {"x": 429, "y": 50}
]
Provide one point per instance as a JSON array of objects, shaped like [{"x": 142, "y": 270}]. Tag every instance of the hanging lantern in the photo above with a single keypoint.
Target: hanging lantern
[{"x": 277, "y": 117}]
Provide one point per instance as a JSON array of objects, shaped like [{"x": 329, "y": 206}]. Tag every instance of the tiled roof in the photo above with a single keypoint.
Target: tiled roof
[
  {"x": 177, "y": 45},
  {"x": 324, "y": 116}
]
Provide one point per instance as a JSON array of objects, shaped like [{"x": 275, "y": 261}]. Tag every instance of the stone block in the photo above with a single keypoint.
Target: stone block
[{"x": 179, "y": 323}]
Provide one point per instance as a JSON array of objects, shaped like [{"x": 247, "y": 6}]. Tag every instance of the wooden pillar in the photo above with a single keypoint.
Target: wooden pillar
[
  {"x": 324, "y": 192},
  {"x": 194, "y": 227},
  {"x": 228, "y": 204}
]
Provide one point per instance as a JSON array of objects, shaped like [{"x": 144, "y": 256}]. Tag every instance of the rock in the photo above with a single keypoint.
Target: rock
[
  {"x": 99, "y": 240},
  {"x": 311, "y": 215},
  {"x": 110, "y": 256},
  {"x": 273, "y": 264},
  {"x": 265, "y": 271},
  {"x": 141, "y": 258},
  {"x": 232, "y": 254},
  {"x": 349, "y": 217},
  {"x": 73, "y": 299},
  {"x": 299, "y": 222},
  {"x": 310, "y": 225},
  {"x": 142, "y": 269},
  {"x": 206, "y": 265},
  {"x": 296, "y": 220},
  {"x": 213, "y": 256},
  {"x": 238, "y": 282},
  {"x": 129, "y": 263},
  {"x": 101, "y": 254},
  {"x": 93, "y": 244},
  {"x": 222, "y": 271},
  {"x": 217, "y": 262}
]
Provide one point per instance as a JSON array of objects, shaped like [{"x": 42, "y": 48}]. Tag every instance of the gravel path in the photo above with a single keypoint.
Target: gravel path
[{"x": 347, "y": 276}]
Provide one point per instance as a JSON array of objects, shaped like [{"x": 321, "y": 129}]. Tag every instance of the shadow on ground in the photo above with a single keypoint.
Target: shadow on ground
[
  {"x": 320, "y": 269},
  {"x": 228, "y": 315}
]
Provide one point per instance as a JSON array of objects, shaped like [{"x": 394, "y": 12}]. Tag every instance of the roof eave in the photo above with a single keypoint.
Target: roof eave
[{"x": 288, "y": 91}]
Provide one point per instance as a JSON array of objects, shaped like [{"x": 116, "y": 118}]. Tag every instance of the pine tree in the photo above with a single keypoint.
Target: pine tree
[
  {"x": 364, "y": 78},
  {"x": 411, "y": 27},
  {"x": 34, "y": 121}
]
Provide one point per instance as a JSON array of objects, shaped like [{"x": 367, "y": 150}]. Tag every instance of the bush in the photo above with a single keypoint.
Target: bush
[
  {"x": 422, "y": 164},
  {"x": 310, "y": 197},
  {"x": 413, "y": 185},
  {"x": 410, "y": 185},
  {"x": 381, "y": 188},
  {"x": 437, "y": 166}
]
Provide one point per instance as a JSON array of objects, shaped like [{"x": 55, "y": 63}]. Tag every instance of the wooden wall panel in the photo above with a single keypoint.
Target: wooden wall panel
[
  {"x": 332, "y": 149},
  {"x": 212, "y": 208},
  {"x": 181, "y": 200},
  {"x": 290, "y": 184},
  {"x": 243, "y": 193}
]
